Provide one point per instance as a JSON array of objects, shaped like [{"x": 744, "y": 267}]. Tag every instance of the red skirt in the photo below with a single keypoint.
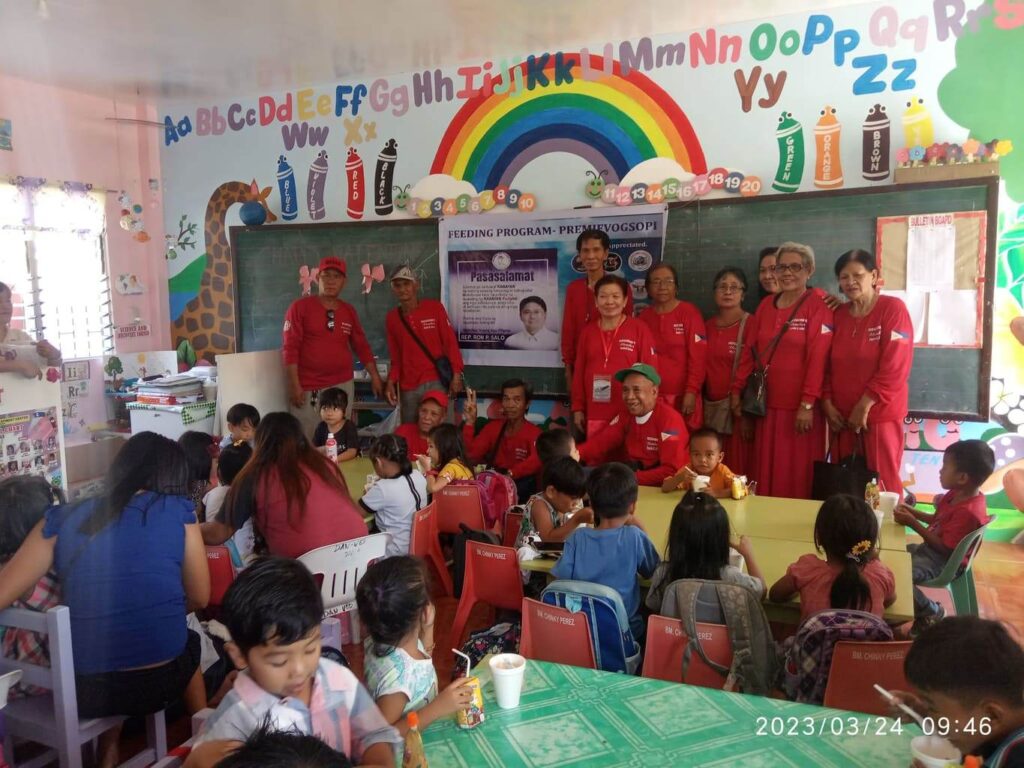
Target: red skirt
[
  {"x": 883, "y": 449},
  {"x": 739, "y": 453},
  {"x": 784, "y": 460}
]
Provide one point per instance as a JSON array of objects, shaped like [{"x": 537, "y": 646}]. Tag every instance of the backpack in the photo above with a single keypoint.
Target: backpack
[
  {"x": 615, "y": 650},
  {"x": 501, "y": 638},
  {"x": 497, "y": 494},
  {"x": 755, "y": 657},
  {"x": 459, "y": 552},
  {"x": 809, "y": 652}
]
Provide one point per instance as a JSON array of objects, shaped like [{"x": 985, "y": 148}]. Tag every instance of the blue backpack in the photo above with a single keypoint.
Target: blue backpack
[{"x": 615, "y": 650}]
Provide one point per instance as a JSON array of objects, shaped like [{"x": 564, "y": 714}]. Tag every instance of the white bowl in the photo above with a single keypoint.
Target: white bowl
[{"x": 934, "y": 751}]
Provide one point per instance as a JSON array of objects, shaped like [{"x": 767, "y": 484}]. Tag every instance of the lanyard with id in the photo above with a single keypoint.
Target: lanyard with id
[{"x": 602, "y": 385}]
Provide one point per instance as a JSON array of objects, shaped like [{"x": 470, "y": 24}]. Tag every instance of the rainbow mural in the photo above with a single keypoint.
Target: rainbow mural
[{"x": 613, "y": 123}]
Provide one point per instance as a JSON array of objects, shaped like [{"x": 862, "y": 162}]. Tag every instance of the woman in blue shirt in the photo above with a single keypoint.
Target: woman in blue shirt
[{"x": 131, "y": 565}]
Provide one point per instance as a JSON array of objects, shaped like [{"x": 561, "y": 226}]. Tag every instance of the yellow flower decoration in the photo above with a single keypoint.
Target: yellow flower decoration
[{"x": 860, "y": 548}]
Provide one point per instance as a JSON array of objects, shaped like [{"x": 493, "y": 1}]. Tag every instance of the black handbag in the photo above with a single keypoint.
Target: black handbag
[
  {"x": 754, "y": 401},
  {"x": 850, "y": 475},
  {"x": 443, "y": 366}
]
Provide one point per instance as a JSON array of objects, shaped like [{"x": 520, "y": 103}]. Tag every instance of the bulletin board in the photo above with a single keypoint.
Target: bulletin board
[{"x": 950, "y": 318}]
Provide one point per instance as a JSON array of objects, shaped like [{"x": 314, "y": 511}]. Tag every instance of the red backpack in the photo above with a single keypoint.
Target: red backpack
[{"x": 497, "y": 494}]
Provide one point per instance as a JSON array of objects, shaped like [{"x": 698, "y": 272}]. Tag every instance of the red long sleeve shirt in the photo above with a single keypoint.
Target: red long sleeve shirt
[
  {"x": 796, "y": 367},
  {"x": 681, "y": 343},
  {"x": 416, "y": 442},
  {"x": 721, "y": 352},
  {"x": 657, "y": 444},
  {"x": 515, "y": 451},
  {"x": 630, "y": 343},
  {"x": 872, "y": 355},
  {"x": 578, "y": 310},
  {"x": 323, "y": 356},
  {"x": 409, "y": 366}
]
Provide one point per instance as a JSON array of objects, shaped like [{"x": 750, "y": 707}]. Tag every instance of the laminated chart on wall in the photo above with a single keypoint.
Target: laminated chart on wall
[{"x": 935, "y": 263}]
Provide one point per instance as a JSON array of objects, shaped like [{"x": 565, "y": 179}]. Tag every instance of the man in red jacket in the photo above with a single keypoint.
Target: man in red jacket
[
  {"x": 319, "y": 336},
  {"x": 432, "y": 409},
  {"x": 652, "y": 437},
  {"x": 507, "y": 443},
  {"x": 418, "y": 332}
]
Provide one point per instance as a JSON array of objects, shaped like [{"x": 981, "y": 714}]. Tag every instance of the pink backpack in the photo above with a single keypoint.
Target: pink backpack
[{"x": 497, "y": 494}]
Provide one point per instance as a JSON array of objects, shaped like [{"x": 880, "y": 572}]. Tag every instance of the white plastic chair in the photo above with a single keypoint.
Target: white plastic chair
[
  {"x": 52, "y": 719},
  {"x": 340, "y": 566}
]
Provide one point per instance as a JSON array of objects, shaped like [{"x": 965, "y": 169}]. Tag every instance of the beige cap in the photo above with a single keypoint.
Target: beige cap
[{"x": 404, "y": 272}]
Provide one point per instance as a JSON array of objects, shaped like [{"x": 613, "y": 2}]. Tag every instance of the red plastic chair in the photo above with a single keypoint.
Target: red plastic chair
[
  {"x": 222, "y": 573},
  {"x": 459, "y": 504},
  {"x": 513, "y": 520},
  {"x": 424, "y": 544},
  {"x": 666, "y": 641},
  {"x": 492, "y": 577},
  {"x": 557, "y": 635},
  {"x": 857, "y": 667}
]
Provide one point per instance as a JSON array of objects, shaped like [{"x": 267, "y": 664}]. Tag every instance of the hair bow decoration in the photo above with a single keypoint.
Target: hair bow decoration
[{"x": 371, "y": 275}]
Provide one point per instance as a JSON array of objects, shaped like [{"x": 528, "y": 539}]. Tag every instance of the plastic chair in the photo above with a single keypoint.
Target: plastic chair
[
  {"x": 857, "y": 667},
  {"x": 492, "y": 577},
  {"x": 513, "y": 521},
  {"x": 222, "y": 574},
  {"x": 52, "y": 718},
  {"x": 338, "y": 568},
  {"x": 666, "y": 643},
  {"x": 958, "y": 579},
  {"x": 459, "y": 504},
  {"x": 424, "y": 544},
  {"x": 557, "y": 635}
]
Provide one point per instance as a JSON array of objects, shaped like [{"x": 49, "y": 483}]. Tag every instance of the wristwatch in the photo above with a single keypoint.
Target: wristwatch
[{"x": 806, "y": 406}]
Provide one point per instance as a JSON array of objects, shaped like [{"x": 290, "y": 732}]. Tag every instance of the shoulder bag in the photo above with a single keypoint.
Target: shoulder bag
[
  {"x": 755, "y": 393},
  {"x": 443, "y": 366},
  {"x": 717, "y": 413}
]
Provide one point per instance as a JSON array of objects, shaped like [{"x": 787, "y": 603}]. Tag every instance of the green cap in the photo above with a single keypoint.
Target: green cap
[{"x": 645, "y": 370}]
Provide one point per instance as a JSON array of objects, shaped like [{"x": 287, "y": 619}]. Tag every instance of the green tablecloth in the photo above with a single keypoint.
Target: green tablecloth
[{"x": 570, "y": 716}]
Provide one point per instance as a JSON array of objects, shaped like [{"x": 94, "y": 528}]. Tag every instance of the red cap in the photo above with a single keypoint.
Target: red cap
[
  {"x": 333, "y": 262},
  {"x": 437, "y": 396}
]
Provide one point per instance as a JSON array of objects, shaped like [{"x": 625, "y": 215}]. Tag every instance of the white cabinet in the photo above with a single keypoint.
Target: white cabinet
[{"x": 172, "y": 420}]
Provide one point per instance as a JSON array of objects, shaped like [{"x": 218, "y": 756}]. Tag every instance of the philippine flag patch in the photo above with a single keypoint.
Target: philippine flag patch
[
  {"x": 669, "y": 435},
  {"x": 826, "y": 328},
  {"x": 898, "y": 336},
  {"x": 697, "y": 338}
]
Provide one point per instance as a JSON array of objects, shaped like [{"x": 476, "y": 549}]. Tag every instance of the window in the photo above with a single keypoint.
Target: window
[{"x": 52, "y": 257}]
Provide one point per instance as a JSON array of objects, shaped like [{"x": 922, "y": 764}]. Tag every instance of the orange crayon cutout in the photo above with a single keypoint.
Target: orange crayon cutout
[{"x": 828, "y": 166}]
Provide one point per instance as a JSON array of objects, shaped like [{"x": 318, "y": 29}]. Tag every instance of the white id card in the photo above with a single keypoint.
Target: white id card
[{"x": 602, "y": 392}]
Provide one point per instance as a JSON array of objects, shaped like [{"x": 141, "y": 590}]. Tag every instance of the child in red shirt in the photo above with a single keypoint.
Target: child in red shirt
[{"x": 965, "y": 466}]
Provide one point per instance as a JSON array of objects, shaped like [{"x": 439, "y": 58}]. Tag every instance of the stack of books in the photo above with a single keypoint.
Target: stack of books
[{"x": 170, "y": 390}]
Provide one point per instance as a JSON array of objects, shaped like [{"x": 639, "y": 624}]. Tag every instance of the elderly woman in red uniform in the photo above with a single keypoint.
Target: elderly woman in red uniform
[
  {"x": 612, "y": 342},
  {"x": 867, "y": 388},
  {"x": 726, "y": 331},
  {"x": 679, "y": 339},
  {"x": 790, "y": 336}
]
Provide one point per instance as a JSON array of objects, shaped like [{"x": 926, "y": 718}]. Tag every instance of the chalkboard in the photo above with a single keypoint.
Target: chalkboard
[{"x": 704, "y": 236}]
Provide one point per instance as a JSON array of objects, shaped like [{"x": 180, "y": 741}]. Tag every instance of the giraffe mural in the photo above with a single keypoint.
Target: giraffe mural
[{"x": 208, "y": 320}]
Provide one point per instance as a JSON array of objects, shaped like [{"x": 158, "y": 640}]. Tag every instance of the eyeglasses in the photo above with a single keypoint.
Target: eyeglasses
[
  {"x": 666, "y": 283},
  {"x": 782, "y": 268},
  {"x": 330, "y": 320},
  {"x": 729, "y": 288}
]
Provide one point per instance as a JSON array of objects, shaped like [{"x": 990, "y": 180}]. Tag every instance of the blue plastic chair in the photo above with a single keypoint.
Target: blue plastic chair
[
  {"x": 958, "y": 579},
  {"x": 615, "y": 650}
]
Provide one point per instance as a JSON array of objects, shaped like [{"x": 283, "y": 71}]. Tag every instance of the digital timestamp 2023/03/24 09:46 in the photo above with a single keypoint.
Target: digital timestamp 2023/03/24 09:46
[{"x": 853, "y": 725}]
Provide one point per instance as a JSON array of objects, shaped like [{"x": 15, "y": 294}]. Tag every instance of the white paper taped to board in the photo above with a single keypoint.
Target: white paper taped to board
[
  {"x": 931, "y": 251},
  {"x": 917, "y": 305},
  {"x": 953, "y": 317}
]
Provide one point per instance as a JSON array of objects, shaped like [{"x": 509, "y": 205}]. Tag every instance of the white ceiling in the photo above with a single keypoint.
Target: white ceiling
[{"x": 215, "y": 48}]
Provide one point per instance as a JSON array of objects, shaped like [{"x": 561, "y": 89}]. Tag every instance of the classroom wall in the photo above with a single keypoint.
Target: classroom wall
[{"x": 713, "y": 98}]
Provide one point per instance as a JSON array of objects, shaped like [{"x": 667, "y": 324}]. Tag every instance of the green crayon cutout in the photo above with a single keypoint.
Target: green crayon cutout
[{"x": 790, "y": 135}]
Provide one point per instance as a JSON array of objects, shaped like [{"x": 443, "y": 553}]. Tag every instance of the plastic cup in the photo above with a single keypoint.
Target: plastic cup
[
  {"x": 887, "y": 501},
  {"x": 507, "y": 670},
  {"x": 880, "y": 517},
  {"x": 934, "y": 752},
  {"x": 700, "y": 482}
]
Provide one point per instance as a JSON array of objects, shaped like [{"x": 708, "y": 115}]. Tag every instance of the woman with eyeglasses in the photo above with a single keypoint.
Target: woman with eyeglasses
[
  {"x": 726, "y": 330},
  {"x": 678, "y": 329},
  {"x": 789, "y": 338},
  {"x": 320, "y": 334},
  {"x": 867, "y": 388}
]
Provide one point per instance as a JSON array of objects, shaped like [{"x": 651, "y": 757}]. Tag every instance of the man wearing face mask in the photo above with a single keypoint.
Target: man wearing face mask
[
  {"x": 320, "y": 334},
  {"x": 651, "y": 436}
]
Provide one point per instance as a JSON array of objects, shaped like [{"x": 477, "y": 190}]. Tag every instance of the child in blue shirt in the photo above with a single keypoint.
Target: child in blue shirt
[{"x": 618, "y": 548}]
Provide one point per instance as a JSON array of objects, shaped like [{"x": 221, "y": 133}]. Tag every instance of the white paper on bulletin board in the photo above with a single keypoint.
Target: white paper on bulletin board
[
  {"x": 917, "y": 305},
  {"x": 931, "y": 249},
  {"x": 947, "y": 311}
]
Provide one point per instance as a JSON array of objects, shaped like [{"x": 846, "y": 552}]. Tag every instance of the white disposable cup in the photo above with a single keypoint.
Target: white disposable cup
[
  {"x": 880, "y": 517},
  {"x": 507, "y": 671},
  {"x": 934, "y": 752},
  {"x": 887, "y": 501},
  {"x": 700, "y": 482}
]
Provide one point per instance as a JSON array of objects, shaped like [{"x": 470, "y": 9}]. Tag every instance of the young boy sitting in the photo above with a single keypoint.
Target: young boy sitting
[
  {"x": 969, "y": 672},
  {"x": 616, "y": 550},
  {"x": 273, "y": 612},
  {"x": 242, "y": 421},
  {"x": 333, "y": 404},
  {"x": 705, "y": 459},
  {"x": 965, "y": 466}
]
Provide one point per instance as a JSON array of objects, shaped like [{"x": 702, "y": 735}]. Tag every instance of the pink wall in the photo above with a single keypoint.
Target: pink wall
[{"x": 62, "y": 135}]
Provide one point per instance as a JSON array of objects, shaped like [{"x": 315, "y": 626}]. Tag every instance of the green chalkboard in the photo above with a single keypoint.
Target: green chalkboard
[{"x": 704, "y": 236}]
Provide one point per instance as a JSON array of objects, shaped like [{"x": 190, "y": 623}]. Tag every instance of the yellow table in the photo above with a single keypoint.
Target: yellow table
[
  {"x": 764, "y": 517},
  {"x": 355, "y": 472}
]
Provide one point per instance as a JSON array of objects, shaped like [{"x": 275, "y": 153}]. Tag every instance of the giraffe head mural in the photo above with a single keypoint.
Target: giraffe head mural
[{"x": 208, "y": 320}]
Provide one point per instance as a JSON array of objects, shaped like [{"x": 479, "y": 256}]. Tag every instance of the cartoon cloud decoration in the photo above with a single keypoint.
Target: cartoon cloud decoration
[
  {"x": 655, "y": 171},
  {"x": 441, "y": 185}
]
